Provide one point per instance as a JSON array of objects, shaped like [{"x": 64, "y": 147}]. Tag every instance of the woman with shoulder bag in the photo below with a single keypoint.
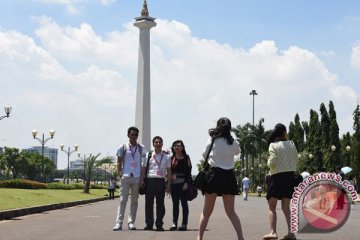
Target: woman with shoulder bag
[
  {"x": 180, "y": 179},
  {"x": 223, "y": 183}
]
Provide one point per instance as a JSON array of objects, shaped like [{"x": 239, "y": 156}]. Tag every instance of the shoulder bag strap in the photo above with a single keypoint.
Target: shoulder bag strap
[
  {"x": 206, "y": 163},
  {"x": 147, "y": 164}
]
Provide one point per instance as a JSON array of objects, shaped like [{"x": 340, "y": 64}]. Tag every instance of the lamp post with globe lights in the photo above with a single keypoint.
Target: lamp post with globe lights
[
  {"x": 333, "y": 149},
  {"x": 7, "y": 109},
  {"x": 68, "y": 153},
  {"x": 260, "y": 174},
  {"x": 43, "y": 141},
  {"x": 348, "y": 148}
]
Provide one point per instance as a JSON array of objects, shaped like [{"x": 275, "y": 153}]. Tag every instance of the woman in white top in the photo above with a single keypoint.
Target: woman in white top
[
  {"x": 221, "y": 160},
  {"x": 282, "y": 162}
]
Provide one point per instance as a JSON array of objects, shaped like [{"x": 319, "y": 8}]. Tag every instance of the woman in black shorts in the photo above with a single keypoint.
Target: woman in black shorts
[
  {"x": 282, "y": 162},
  {"x": 221, "y": 160}
]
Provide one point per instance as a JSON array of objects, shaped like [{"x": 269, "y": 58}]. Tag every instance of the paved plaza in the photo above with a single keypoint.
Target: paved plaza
[{"x": 95, "y": 221}]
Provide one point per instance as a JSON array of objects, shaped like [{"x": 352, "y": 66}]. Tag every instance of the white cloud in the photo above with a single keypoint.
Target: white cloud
[
  {"x": 355, "y": 56},
  {"x": 83, "y": 85},
  {"x": 107, "y": 2}
]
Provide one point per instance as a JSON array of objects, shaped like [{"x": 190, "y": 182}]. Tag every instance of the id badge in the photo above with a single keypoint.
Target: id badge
[{"x": 159, "y": 172}]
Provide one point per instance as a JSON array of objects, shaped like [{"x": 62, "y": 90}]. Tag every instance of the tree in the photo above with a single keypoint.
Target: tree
[
  {"x": 91, "y": 162},
  {"x": 355, "y": 146},
  {"x": 246, "y": 137},
  {"x": 11, "y": 161},
  {"x": 313, "y": 143},
  {"x": 346, "y": 153},
  {"x": 334, "y": 139},
  {"x": 296, "y": 133},
  {"x": 325, "y": 126},
  {"x": 328, "y": 156}
]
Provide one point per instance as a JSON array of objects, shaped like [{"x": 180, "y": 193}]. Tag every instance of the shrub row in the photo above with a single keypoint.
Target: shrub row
[
  {"x": 27, "y": 184},
  {"x": 22, "y": 183}
]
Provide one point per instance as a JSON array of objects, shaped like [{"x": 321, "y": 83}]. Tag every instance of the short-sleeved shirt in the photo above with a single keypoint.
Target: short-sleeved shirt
[
  {"x": 132, "y": 161},
  {"x": 246, "y": 182},
  {"x": 158, "y": 165},
  {"x": 222, "y": 154}
]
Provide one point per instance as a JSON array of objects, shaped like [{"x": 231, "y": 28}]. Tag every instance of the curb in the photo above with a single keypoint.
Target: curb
[{"x": 13, "y": 213}]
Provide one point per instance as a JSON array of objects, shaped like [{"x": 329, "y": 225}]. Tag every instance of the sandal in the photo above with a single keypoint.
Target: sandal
[
  {"x": 289, "y": 236},
  {"x": 270, "y": 236}
]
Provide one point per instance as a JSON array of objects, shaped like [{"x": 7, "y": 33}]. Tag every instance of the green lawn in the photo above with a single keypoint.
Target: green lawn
[{"x": 11, "y": 198}]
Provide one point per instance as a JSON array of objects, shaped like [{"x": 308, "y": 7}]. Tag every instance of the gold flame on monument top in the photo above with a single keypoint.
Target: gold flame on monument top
[{"x": 145, "y": 11}]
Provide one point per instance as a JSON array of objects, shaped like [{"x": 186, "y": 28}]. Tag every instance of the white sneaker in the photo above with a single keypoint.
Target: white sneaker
[
  {"x": 117, "y": 227},
  {"x": 131, "y": 226}
]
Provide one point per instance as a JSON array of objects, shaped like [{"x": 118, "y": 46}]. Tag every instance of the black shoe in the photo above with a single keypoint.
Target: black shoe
[
  {"x": 173, "y": 227},
  {"x": 148, "y": 228},
  {"x": 183, "y": 228},
  {"x": 160, "y": 229}
]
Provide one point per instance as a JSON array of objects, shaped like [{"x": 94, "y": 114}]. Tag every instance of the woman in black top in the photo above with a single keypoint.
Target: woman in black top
[{"x": 180, "y": 177}]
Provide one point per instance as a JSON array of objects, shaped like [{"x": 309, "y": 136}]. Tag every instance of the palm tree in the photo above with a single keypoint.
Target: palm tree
[
  {"x": 246, "y": 137},
  {"x": 90, "y": 163}
]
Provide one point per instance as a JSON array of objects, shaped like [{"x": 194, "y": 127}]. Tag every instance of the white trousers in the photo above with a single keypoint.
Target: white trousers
[{"x": 128, "y": 185}]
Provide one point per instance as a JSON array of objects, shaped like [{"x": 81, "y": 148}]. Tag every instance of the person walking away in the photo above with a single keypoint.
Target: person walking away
[
  {"x": 129, "y": 159},
  {"x": 156, "y": 186},
  {"x": 340, "y": 192},
  {"x": 246, "y": 185},
  {"x": 180, "y": 178},
  {"x": 221, "y": 160},
  {"x": 282, "y": 161},
  {"x": 111, "y": 188}
]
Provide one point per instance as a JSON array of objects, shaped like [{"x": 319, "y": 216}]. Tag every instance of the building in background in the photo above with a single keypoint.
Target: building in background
[
  {"x": 77, "y": 164},
  {"x": 51, "y": 153}
]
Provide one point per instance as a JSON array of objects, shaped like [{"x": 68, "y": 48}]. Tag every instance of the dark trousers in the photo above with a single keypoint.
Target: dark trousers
[
  {"x": 177, "y": 194},
  {"x": 155, "y": 188},
  {"x": 340, "y": 199},
  {"x": 111, "y": 193}
]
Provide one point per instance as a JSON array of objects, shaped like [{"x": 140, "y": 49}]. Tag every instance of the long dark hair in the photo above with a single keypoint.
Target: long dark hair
[
  {"x": 183, "y": 148},
  {"x": 277, "y": 133},
  {"x": 223, "y": 129},
  {"x": 186, "y": 157}
]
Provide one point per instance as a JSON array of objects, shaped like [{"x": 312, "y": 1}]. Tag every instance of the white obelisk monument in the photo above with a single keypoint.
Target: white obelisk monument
[{"x": 142, "y": 112}]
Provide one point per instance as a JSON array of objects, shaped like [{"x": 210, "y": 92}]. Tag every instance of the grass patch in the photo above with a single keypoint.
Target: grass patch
[{"x": 11, "y": 198}]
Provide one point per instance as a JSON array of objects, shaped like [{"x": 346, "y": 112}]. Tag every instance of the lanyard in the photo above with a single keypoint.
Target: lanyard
[
  {"x": 158, "y": 162},
  {"x": 133, "y": 153}
]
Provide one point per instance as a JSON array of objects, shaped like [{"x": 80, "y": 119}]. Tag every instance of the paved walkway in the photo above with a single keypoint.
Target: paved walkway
[{"x": 95, "y": 221}]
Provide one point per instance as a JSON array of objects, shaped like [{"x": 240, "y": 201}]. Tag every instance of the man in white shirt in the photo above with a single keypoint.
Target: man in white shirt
[
  {"x": 129, "y": 168},
  {"x": 156, "y": 186},
  {"x": 246, "y": 186}
]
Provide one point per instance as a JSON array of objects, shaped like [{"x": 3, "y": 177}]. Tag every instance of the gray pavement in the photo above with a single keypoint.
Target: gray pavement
[{"x": 95, "y": 221}]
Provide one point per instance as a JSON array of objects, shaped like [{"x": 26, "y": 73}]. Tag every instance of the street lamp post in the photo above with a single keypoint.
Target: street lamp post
[
  {"x": 252, "y": 175},
  {"x": 7, "y": 112},
  {"x": 253, "y": 93},
  {"x": 348, "y": 148},
  {"x": 68, "y": 153},
  {"x": 333, "y": 148},
  {"x": 260, "y": 174},
  {"x": 43, "y": 141}
]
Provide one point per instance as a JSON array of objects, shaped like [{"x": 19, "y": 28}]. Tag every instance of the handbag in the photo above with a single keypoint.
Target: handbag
[
  {"x": 191, "y": 192},
  {"x": 142, "y": 190},
  {"x": 206, "y": 174}
]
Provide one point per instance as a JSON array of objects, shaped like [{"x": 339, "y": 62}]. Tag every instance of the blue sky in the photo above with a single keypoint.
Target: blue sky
[{"x": 71, "y": 65}]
